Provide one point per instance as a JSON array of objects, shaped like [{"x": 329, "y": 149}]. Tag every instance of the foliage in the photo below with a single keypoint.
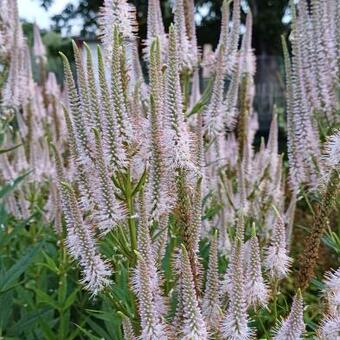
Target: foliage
[{"x": 268, "y": 23}]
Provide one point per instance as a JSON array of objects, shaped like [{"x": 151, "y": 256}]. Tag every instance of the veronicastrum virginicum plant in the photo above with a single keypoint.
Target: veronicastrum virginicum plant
[
  {"x": 149, "y": 154},
  {"x": 151, "y": 173}
]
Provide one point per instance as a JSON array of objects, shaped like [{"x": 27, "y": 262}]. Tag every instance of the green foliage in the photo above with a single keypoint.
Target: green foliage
[
  {"x": 40, "y": 294},
  {"x": 39, "y": 285},
  {"x": 11, "y": 186},
  {"x": 39, "y": 289}
]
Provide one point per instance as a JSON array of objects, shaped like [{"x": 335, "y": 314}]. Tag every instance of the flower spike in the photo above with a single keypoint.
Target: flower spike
[
  {"x": 155, "y": 29},
  {"x": 110, "y": 210},
  {"x": 153, "y": 327},
  {"x": 211, "y": 300},
  {"x": 178, "y": 137},
  {"x": 234, "y": 325},
  {"x": 193, "y": 325},
  {"x": 293, "y": 326},
  {"x": 257, "y": 291},
  {"x": 277, "y": 260}
]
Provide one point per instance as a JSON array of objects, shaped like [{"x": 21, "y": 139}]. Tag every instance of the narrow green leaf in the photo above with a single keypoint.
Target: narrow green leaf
[
  {"x": 139, "y": 184},
  {"x": 45, "y": 298},
  {"x": 29, "y": 321},
  {"x": 203, "y": 100},
  {"x": 50, "y": 263},
  {"x": 89, "y": 334},
  {"x": 99, "y": 330},
  {"x": 11, "y": 185},
  {"x": 101, "y": 315},
  {"x": 9, "y": 149},
  {"x": 10, "y": 276},
  {"x": 6, "y": 310},
  {"x": 70, "y": 299},
  {"x": 46, "y": 329}
]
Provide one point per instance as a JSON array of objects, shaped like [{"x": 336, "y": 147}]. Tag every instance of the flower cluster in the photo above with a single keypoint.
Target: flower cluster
[
  {"x": 31, "y": 105},
  {"x": 311, "y": 76}
]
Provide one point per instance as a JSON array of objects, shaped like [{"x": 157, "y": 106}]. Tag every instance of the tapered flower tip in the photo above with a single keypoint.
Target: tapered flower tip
[
  {"x": 235, "y": 322},
  {"x": 211, "y": 300},
  {"x": 128, "y": 331},
  {"x": 74, "y": 45},
  {"x": 253, "y": 230},
  {"x": 52, "y": 86},
  {"x": 117, "y": 12},
  {"x": 193, "y": 325},
  {"x": 63, "y": 57},
  {"x": 256, "y": 288},
  {"x": 154, "y": 45},
  {"x": 332, "y": 150},
  {"x": 171, "y": 28},
  {"x": 294, "y": 326},
  {"x": 39, "y": 49},
  {"x": 277, "y": 260}
]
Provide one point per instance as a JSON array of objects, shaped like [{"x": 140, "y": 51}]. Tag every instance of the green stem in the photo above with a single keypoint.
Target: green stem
[
  {"x": 262, "y": 326},
  {"x": 185, "y": 78},
  {"x": 131, "y": 219},
  {"x": 308, "y": 202},
  {"x": 62, "y": 290},
  {"x": 275, "y": 291}
]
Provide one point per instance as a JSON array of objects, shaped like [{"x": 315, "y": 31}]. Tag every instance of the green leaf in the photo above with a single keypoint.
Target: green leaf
[
  {"x": 203, "y": 100},
  {"x": 10, "y": 276},
  {"x": 75, "y": 333},
  {"x": 116, "y": 182},
  {"x": 46, "y": 329},
  {"x": 29, "y": 321},
  {"x": 46, "y": 299},
  {"x": 11, "y": 185},
  {"x": 99, "y": 330},
  {"x": 9, "y": 149},
  {"x": 70, "y": 299},
  {"x": 140, "y": 183},
  {"x": 6, "y": 310},
  {"x": 89, "y": 334},
  {"x": 50, "y": 264},
  {"x": 332, "y": 240},
  {"x": 101, "y": 315}
]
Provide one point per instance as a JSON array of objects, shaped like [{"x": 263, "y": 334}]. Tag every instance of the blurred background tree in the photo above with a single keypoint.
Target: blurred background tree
[
  {"x": 270, "y": 18},
  {"x": 268, "y": 24}
]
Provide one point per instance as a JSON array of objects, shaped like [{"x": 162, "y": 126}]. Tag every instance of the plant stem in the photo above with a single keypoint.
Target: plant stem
[
  {"x": 185, "y": 80},
  {"x": 275, "y": 291},
  {"x": 130, "y": 208},
  {"x": 308, "y": 202},
  {"x": 262, "y": 326},
  {"x": 62, "y": 290}
]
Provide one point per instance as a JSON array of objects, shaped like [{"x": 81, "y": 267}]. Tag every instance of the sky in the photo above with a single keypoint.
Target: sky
[{"x": 31, "y": 11}]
